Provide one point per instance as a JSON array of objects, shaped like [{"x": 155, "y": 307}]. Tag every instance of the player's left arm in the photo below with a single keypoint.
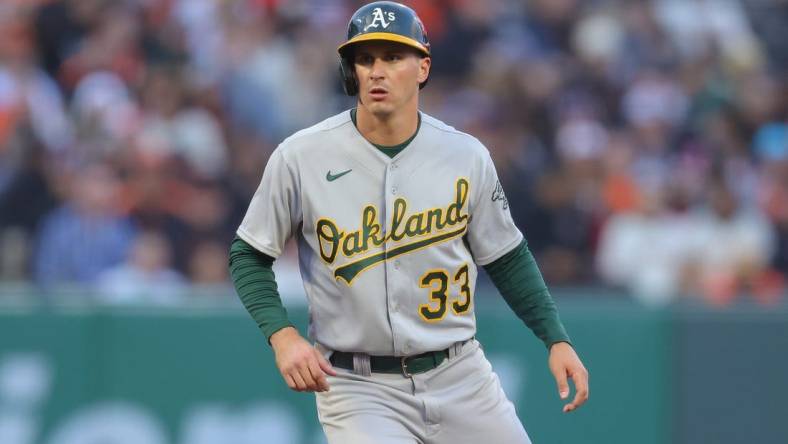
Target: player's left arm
[
  {"x": 518, "y": 279},
  {"x": 499, "y": 246}
]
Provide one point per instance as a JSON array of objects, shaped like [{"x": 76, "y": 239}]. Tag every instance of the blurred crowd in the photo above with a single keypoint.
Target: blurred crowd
[{"x": 643, "y": 144}]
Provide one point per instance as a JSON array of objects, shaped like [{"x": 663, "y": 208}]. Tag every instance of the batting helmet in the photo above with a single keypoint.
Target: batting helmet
[{"x": 382, "y": 20}]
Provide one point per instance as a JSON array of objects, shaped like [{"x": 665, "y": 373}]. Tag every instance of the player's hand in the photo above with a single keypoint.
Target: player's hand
[
  {"x": 564, "y": 364},
  {"x": 301, "y": 365}
]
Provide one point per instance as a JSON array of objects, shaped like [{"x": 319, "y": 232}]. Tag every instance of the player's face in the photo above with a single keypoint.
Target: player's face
[{"x": 389, "y": 74}]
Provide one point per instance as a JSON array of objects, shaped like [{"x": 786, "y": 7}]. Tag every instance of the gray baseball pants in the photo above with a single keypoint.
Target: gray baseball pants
[{"x": 459, "y": 402}]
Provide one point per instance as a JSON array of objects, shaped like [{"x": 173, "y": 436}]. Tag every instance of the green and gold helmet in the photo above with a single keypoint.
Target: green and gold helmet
[
  {"x": 384, "y": 20},
  {"x": 389, "y": 21}
]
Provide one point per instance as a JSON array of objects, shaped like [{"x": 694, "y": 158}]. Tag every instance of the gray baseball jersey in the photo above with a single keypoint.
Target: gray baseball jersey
[{"x": 388, "y": 247}]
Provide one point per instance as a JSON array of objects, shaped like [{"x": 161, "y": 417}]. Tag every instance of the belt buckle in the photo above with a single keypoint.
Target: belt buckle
[{"x": 404, "y": 365}]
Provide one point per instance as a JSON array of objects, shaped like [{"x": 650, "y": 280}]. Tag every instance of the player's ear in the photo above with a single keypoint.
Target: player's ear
[{"x": 424, "y": 69}]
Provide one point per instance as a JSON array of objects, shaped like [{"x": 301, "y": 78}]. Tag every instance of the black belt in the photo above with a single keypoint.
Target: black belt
[{"x": 407, "y": 365}]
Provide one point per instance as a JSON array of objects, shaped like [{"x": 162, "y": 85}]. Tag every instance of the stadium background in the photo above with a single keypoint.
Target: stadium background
[{"x": 643, "y": 146}]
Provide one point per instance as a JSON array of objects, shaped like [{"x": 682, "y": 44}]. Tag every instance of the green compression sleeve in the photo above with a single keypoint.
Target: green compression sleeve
[
  {"x": 255, "y": 284},
  {"x": 520, "y": 282}
]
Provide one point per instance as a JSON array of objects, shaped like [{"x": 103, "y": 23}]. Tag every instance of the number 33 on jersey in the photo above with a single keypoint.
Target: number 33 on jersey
[{"x": 388, "y": 247}]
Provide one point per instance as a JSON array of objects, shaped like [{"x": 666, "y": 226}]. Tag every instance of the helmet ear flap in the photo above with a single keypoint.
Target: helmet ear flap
[{"x": 348, "y": 73}]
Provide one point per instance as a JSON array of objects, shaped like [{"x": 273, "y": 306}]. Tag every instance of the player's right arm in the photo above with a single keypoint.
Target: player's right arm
[
  {"x": 273, "y": 215},
  {"x": 302, "y": 366}
]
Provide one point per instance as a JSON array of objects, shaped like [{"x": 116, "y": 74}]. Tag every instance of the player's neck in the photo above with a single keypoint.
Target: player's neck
[{"x": 389, "y": 130}]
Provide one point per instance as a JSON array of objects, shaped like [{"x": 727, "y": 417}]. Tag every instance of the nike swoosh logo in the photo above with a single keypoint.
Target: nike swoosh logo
[{"x": 332, "y": 177}]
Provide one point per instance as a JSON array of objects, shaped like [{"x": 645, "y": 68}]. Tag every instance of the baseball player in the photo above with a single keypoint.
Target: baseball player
[{"x": 393, "y": 211}]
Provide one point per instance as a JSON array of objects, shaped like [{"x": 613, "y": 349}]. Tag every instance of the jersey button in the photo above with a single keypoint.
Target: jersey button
[{"x": 393, "y": 190}]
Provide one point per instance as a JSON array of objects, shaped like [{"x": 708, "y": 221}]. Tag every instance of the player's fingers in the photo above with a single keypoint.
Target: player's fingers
[
  {"x": 306, "y": 375},
  {"x": 321, "y": 385},
  {"x": 325, "y": 365},
  {"x": 290, "y": 382},
  {"x": 299, "y": 381},
  {"x": 560, "y": 380},
  {"x": 580, "y": 379}
]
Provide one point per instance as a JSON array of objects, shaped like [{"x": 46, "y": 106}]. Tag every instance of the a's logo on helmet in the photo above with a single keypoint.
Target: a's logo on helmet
[{"x": 378, "y": 16}]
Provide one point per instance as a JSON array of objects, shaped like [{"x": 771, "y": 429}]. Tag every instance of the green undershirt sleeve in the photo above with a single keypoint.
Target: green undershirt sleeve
[
  {"x": 520, "y": 282},
  {"x": 253, "y": 277}
]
